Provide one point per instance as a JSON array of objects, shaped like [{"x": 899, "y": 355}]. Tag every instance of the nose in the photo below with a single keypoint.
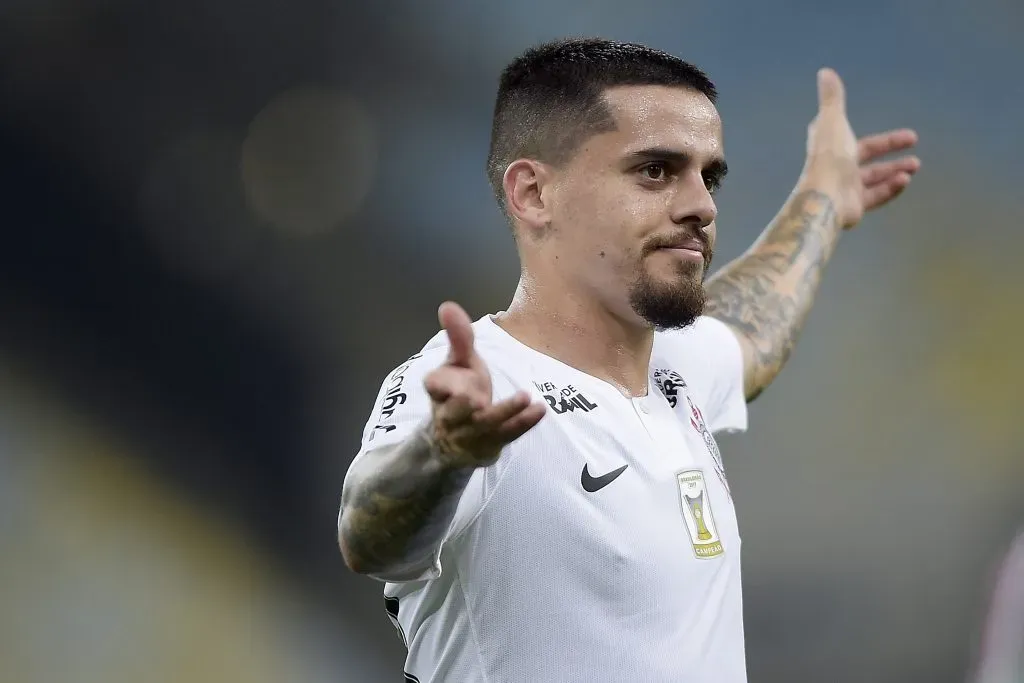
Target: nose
[{"x": 693, "y": 203}]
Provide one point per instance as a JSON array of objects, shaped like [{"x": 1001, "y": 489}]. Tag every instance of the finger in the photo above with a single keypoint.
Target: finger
[
  {"x": 885, "y": 191},
  {"x": 495, "y": 415},
  {"x": 875, "y": 173},
  {"x": 873, "y": 146},
  {"x": 447, "y": 381},
  {"x": 438, "y": 389},
  {"x": 831, "y": 93},
  {"x": 457, "y": 410},
  {"x": 522, "y": 422},
  {"x": 459, "y": 327}
]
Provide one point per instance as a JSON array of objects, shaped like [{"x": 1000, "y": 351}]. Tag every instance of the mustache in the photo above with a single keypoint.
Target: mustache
[{"x": 685, "y": 240}]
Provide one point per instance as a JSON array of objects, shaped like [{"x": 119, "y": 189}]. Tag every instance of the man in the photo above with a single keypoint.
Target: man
[
  {"x": 540, "y": 489},
  {"x": 1001, "y": 657}
]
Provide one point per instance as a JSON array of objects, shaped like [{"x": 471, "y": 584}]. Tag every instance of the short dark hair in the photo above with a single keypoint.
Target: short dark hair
[{"x": 550, "y": 98}]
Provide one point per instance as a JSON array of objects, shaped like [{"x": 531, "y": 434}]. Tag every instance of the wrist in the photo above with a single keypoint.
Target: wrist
[
  {"x": 443, "y": 455},
  {"x": 825, "y": 190},
  {"x": 822, "y": 183}
]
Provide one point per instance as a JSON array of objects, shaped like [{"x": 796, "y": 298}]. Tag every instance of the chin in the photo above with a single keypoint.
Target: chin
[{"x": 669, "y": 305}]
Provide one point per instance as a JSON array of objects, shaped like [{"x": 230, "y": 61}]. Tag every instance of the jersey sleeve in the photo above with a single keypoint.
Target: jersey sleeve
[
  {"x": 402, "y": 403},
  {"x": 709, "y": 357},
  {"x": 403, "y": 406}
]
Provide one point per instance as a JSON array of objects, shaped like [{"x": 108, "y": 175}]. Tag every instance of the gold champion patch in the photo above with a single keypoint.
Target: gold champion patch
[{"x": 700, "y": 522}]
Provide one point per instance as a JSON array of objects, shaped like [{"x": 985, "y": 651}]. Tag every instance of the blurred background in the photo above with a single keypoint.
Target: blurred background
[{"x": 225, "y": 222}]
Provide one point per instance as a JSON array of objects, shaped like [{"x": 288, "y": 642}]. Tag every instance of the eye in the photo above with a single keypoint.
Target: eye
[
  {"x": 712, "y": 183},
  {"x": 656, "y": 171}
]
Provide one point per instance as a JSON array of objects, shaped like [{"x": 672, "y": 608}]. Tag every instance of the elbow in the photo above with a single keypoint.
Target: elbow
[
  {"x": 346, "y": 544},
  {"x": 348, "y": 557},
  {"x": 356, "y": 551},
  {"x": 354, "y": 563}
]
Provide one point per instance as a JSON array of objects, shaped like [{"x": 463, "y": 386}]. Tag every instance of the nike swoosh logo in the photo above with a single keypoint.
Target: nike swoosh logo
[{"x": 594, "y": 484}]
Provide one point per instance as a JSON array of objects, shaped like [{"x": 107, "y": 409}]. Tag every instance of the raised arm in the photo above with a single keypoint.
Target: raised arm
[{"x": 766, "y": 294}]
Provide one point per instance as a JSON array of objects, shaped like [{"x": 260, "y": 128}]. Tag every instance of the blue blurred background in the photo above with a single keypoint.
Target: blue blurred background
[{"x": 225, "y": 221}]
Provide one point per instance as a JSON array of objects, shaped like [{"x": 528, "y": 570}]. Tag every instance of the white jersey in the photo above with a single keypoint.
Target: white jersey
[{"x": 602, "y": 545}]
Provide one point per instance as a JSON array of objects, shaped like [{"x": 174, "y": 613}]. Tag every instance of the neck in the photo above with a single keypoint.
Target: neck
[{"x": 581, "y": 333}]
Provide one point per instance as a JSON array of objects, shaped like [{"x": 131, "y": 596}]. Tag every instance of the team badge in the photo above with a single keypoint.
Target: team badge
[
  {"x": 669, "y": 382},
  {"x": 697, "y": 422},
  {"x": 700, "y": 521},
  {"x": 672, "y": 385}
]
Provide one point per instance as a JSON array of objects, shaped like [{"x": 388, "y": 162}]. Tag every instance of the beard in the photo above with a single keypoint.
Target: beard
[{"x": 673, "y": 304}]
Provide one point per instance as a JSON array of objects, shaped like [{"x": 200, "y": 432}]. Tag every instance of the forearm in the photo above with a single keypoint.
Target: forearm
[
  {"x": 766, "y": 294},
  {"x": 397, "y": 506}
]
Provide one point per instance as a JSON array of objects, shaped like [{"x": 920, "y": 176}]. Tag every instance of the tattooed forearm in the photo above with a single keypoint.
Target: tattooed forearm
[
  {"x": 397, "y": 506},
  {"x": 766, "y": 294}
]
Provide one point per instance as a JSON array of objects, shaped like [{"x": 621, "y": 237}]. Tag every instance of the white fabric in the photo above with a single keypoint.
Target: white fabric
[
  {"x": 1002, "y": 645},
  {"x": 540, "y": 580}
]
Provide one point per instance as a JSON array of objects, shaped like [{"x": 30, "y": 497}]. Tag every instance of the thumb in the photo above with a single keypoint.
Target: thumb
[
  {"x": 831, "y": 94},
  {"x": 457, "y": 324}
]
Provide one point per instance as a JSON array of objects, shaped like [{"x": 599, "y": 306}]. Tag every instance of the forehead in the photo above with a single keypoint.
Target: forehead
[{"x": 664, "y": 117}]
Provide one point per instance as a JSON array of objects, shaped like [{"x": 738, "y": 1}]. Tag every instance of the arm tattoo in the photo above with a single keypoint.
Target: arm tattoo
[
  {"x": 766, "y": 294},
  {"x": 397, "y": 506}
]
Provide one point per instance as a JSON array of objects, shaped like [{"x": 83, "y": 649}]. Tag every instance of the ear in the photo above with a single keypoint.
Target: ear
[{"x": 525, "y": 182}]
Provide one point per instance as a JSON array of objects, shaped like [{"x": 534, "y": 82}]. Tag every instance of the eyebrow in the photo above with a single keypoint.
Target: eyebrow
[{"x": 717, "y": 168}]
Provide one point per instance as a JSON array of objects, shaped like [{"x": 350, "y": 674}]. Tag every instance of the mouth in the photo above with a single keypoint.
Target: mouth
[
  {"x": 687, "y": 249},
  {"x": 685, "y": 253}
]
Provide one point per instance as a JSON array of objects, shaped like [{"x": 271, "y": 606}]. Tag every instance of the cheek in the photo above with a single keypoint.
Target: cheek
[
  {"x": 594, "y": 210},
  {"x": 627, "y": 210},
  {"x": 609, "y": 215}
]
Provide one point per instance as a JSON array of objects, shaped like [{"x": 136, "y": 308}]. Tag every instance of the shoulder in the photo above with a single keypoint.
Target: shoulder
[
  {"x": 433, "y": 353},
  {"x": 402, "y": 393},
  {"x": 706, "y": 358},
  {"x": 706, "y": 352},
  {"x": 706, "y": 335}
]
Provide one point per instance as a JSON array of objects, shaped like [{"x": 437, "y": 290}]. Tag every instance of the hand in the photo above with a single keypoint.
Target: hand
[
  {"x": 467, "y": 427},
  {"x": 847, "y": 169}
]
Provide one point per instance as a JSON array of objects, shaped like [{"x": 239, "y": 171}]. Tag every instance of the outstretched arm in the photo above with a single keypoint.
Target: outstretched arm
[
  {"x": 766, "y": 294},
  {"x": 399, "y": 500}
]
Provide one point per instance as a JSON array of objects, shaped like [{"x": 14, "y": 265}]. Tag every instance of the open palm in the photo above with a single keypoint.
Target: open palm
[{"x": 862, "y": 179}]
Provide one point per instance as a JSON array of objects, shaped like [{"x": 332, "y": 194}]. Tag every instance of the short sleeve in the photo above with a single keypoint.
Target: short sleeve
[
  {"x": 708, "y": 356},
  {"x": 402, "y": 404},
  {"x": 402, "y": 407}
]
